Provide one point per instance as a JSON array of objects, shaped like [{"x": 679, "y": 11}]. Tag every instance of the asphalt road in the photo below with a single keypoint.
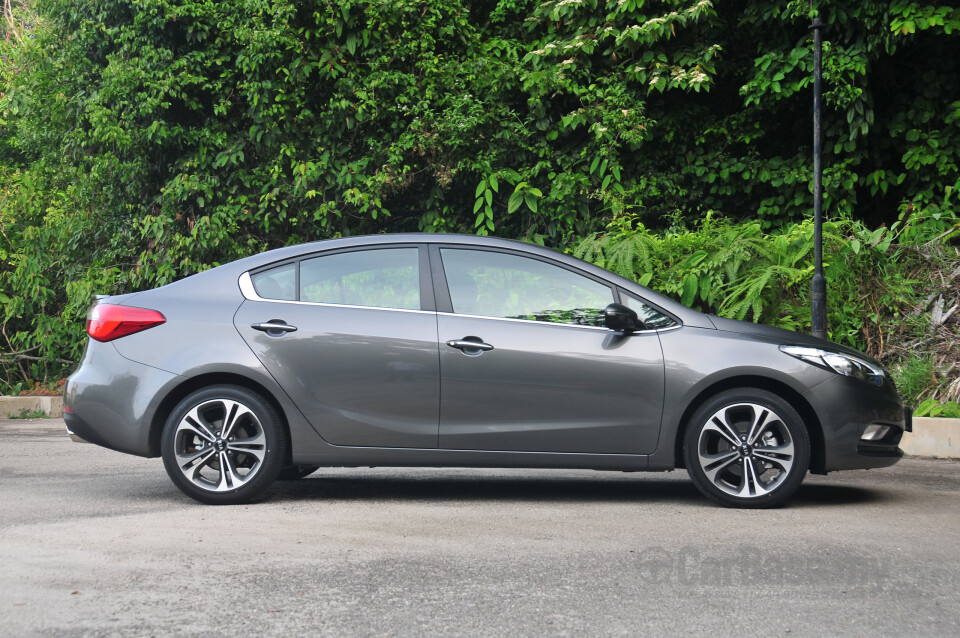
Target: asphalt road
[{"x": 97, "y": 543}]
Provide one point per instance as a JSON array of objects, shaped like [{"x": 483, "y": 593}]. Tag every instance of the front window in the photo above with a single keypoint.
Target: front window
[
  {"x": 495, "y": 284},
  {"x": 650, "y": 316}
]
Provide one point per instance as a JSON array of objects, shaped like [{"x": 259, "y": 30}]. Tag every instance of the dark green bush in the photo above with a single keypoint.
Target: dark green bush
[{"x": 142, "y": 141}]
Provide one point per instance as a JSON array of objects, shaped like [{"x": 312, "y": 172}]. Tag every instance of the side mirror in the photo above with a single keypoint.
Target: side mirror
[{"x": 621, "y": 319}]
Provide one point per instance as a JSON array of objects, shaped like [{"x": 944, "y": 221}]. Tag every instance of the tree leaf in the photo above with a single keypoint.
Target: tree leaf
[
  {"x": 689, "y": 291},
  {"x": 514, "y": 202}
]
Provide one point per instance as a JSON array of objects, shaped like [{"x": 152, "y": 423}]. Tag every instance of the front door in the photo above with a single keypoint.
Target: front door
[{"x": 544, "y": 374}]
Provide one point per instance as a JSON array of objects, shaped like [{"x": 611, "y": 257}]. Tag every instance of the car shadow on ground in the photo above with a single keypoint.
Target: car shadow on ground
[
  {"x": 545, "y": 489},
  {"x": 820, "y": 494},
  {"x": 473, "y": 488}
]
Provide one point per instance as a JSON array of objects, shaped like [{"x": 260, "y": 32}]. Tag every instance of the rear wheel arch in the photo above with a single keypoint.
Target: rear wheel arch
[
  {"x": 199, "y": 382},
  {"x": 784, "y": 391}
]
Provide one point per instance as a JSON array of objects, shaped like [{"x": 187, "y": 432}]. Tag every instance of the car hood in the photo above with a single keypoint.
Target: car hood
[{"x": 781, "y": 336}]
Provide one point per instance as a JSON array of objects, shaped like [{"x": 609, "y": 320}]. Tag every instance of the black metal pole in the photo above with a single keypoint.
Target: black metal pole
[{"x": 818, "y": 302}]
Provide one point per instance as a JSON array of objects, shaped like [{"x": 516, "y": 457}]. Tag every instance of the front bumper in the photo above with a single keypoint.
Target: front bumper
[{"x": 846, "y": 407}]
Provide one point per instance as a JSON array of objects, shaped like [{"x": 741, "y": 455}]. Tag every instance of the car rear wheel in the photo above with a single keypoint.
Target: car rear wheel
[
  {"x": 747, "y": 448},
  {"x": 223, "y": 445}
]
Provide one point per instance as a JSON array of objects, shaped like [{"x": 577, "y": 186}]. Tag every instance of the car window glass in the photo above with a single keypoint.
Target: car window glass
[
  {"x": 650, "y": 317},
  {"x": 277, "y": 283},
  {"x": 384, "y": 278},
  {"x": 493, "y": 284}
]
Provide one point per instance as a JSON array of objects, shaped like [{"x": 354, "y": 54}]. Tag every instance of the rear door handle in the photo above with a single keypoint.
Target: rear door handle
[
  {"x": 273, "y": 326},
  {"x": 468, "y": 344}
]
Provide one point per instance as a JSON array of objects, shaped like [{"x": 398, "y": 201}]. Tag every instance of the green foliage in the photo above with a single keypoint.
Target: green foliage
[
  {"x": 914, "y": 375},
  {"x": 933, "y": 408},
  {"x": 718, "y": 267},
  {"x": 29, "y": 414},
  {"x": 741, "y": 272},
  {"x": 890, "y": 126},
  {"x": 142, "y": 141}
]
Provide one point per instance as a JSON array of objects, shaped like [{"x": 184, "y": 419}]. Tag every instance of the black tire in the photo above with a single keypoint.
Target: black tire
[
  {"x": 253, "y": 443},
  {"x": 770, "y": 459},
  {"x": 296, "y": 472}
]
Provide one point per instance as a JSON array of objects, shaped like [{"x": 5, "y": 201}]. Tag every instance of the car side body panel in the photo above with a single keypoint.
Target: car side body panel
[
  {"x": 197, "y": 341},
  {"x": 362, "y": 376},
  {"x": 558, "y": 388},
  {"x": 697, "y": 361}
]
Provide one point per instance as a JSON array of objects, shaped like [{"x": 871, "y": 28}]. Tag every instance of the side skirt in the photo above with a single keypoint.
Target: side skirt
[{"x": 337, "y": 456}]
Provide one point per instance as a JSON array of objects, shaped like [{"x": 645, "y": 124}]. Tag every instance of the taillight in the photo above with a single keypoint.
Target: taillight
[{"x": 106, "y": 322}]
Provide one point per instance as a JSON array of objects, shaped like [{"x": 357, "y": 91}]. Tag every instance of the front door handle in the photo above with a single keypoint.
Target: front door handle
[
  {"x": 274, "y": 325},
  {"x": 470, "y": 343}
]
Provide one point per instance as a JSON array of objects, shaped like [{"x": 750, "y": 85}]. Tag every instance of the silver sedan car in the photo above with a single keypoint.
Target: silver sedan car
[{"x": 448, "y": 350}]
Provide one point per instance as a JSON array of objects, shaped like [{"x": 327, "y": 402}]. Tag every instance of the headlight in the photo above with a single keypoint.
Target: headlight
[{"x": 845, "y": 364}]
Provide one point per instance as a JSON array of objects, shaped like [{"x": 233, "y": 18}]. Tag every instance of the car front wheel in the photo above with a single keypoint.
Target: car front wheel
[
  {"x": 747, "y": 448},
  {"x": 223, "y": 445}
]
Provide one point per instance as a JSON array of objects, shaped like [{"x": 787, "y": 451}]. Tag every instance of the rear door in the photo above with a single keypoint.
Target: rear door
[
  {"x": 351, "y": 336},
  {"x": 527, "y": 364}
]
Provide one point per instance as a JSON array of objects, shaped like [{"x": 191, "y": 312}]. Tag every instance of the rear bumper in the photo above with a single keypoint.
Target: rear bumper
[
  {"x": 80, "y": 431},
  {"x": 846, "y": 408},
  {"x": 108, "y": 400},
  {"x": 76, "y": 438}
]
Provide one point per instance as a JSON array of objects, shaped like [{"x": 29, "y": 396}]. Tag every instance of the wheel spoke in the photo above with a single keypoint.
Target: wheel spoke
[
  {"x": 751, "y": 485},
  {"x": 195, "y": 423},
  {"x": 721, "y": 427},
  {"x": 781, "y": 455},
  {"x": 255, "y": 446},
  {"x": 196, "y": 461},
  {"x": 229, "y": 479},
  {"x": 762, "y": 417},
  {"x": 713, "y": 464},
  {"x": 233, "y": 413}
]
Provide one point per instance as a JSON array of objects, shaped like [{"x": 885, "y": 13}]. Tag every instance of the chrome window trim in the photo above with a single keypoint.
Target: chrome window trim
[
  {"x": 247, "y": 289},
  {"x": 249, "y": 293},
  {"x": 551, "y": 323},
  {"x": 675, "y": 326},
  {"x": 539, "y": 323}
]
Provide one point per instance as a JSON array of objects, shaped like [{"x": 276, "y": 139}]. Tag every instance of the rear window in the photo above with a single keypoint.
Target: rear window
[
  {"x": 277, "y": 283},
  {"x": 382, "y": 278}
]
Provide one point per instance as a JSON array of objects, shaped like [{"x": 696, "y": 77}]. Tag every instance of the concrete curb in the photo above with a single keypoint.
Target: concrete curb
[
  {"x": 14, "y": 406},
  {"x": 939, "y": 438}
]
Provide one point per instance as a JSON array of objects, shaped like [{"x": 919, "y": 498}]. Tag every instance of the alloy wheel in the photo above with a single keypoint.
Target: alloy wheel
[
  {"x": 219, "y": 445},
  {"x": 746, "y": 450}
]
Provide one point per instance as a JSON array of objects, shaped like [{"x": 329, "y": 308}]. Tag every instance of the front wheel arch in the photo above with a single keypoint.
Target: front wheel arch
[{"x": 788, "y": 394}]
